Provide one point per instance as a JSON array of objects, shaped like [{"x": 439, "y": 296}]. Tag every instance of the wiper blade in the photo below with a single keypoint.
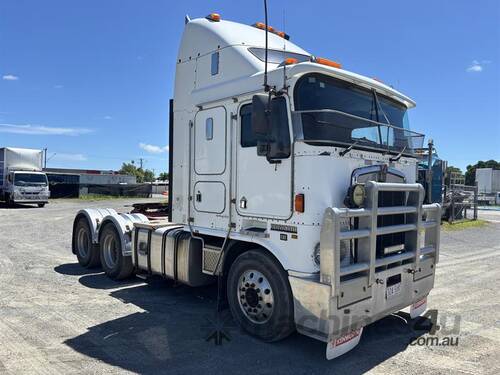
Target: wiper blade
[
  {"x": 398, "y": 156},
  {"x": 358, "y": 140}
]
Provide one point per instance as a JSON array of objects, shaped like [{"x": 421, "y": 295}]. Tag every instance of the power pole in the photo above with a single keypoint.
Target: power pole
[
  {"x": 140, "y": 161},
  {"x": 430, "y": 148},
  {"x": 45, "y": 158}
]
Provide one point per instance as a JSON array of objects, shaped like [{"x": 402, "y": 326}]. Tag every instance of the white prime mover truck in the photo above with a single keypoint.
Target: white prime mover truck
[
  {"x": 299, "y": 195},
  {"x": 21, "y": 177}
]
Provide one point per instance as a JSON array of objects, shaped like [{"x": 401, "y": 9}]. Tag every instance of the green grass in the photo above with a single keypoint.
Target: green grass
[
  {"x": 463, "y": 224},
  {"x": 99, "y": 197}
]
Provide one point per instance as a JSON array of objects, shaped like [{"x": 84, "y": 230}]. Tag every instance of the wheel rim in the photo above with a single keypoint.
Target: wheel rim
[
  {"x": 110, "y": 251},
  {"x": 83, "y": 242},
  {"x": 255, "y": 296}
]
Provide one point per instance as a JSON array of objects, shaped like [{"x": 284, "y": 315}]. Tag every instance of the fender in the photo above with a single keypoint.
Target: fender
[
  {"x": 94, "y": 218},
  {"x": 124, "y": 224},
  {"x": 275, "y": 250}
]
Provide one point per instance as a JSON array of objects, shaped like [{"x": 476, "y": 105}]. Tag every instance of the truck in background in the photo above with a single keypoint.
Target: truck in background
[
  {"x": 431, "y": 173},
  {"x": 292, "y": 184},
  {"x": 21, "y": 177}
]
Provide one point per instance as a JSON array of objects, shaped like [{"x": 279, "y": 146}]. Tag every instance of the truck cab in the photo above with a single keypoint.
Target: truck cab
[
  {"x": 22, "y": 179},
  {"x": 293, "y": 181},
  {"x": 27, "y": 187}
]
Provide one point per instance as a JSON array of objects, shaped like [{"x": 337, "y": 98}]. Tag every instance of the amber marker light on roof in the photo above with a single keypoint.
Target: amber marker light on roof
[
  {"x": 262, "y": 26},
  {"x": 323, "y": 61},
  {"x": 213, "y": 17},
  {"x": 283, "y": 35},
  {"x": 291, "y": 61}
]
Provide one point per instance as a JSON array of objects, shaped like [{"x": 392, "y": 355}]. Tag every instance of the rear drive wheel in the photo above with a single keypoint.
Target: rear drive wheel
[
  {"x": 260, "y": 297},
  {"x": 86, "y": 251},
  {"x": 41, "y": 205},
  {"x": 115, "y": 265}
]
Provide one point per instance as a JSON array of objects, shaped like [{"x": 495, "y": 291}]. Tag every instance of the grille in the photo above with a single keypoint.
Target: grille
[
  {"x": 390, "y": 199},
  {"x": 211, "y": 256}
]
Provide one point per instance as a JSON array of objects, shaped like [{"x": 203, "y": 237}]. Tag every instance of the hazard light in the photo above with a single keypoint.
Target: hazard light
[
  {"x": 290, "y": 61},
  {"x": 215, "y": 17},
  {"x": 323, "y": 61},
  {"x": 262, "y": 26}
]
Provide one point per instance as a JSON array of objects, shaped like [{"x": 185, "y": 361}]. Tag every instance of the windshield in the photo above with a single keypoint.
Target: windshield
[
  {"x": 30, "y": 179},
  {"x": 339, "y": 112}
]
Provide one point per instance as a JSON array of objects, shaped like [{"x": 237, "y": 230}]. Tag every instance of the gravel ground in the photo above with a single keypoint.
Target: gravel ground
[{"x": 56, "y": 317}]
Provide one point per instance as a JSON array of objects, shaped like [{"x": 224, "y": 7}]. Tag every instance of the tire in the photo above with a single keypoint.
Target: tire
[
  {"x": 115, "y": 265},
  {"x": 259, "y": 296},
  {"x": 86, "y": 251},
  {"x": 41, "y": 205}
]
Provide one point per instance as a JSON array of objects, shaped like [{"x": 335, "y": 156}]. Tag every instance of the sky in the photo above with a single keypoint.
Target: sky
[{"x": 91, "y": 80}]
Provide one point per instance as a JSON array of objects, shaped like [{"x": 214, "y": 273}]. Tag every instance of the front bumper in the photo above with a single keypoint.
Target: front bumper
[
  {"x": 33, "y": 199},
  {"x": 343, "y": 298}
]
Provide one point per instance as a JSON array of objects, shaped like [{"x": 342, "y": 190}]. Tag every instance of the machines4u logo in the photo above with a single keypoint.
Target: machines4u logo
[{"x": 443, "y": 331}]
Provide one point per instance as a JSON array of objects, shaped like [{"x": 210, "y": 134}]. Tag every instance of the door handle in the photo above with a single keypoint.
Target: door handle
[
  {"x": 198, "y": 196},
  {"x": 243, "y": 202}
]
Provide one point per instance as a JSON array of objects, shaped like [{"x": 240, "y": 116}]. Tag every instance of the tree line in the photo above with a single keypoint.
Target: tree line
[
  {"x": 470, "y": 172},
  {"x": 141, "y": 174}
]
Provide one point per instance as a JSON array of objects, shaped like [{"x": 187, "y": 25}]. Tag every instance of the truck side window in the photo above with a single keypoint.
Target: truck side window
[
  {"x": 248, "y": 138},
  {"x": 215, "y": 63},
  {"x": 280, "y": 136},
  {"x": 209, "y": 129}
]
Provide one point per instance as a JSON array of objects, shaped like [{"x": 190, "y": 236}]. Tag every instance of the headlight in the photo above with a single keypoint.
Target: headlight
[
  {"x": 345, "y": 248},
  {"x": 345, "y": 245},
  {"x": 316, "y": 254},
  {"x": 356, "y": 196}
]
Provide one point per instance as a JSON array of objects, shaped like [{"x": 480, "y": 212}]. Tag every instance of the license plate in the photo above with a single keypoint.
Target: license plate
[{"x": 393, "y": 290}]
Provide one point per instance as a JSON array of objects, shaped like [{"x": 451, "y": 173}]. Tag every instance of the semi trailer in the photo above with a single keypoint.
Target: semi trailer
[
  {"x": 21, "y": 177},
  {"x": 292, "y": 184}
]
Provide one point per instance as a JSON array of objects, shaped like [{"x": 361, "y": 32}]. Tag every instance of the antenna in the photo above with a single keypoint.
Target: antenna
[
  {"x": 284, "y": 53},
  {"x": 266, "y": 86}
]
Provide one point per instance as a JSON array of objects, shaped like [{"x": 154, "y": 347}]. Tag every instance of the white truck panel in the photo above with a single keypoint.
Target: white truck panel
[{"x": 19, "y": 159}]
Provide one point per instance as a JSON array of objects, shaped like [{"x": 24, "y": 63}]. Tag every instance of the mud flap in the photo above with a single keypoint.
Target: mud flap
[
  {"x": 418, "y": 308},
  {"x": 343, "y": 344}
]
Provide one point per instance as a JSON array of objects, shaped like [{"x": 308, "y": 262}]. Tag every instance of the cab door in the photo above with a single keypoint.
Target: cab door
[
  {"x": 264, "y": 187},
  {"x": 209, "y": 171}
]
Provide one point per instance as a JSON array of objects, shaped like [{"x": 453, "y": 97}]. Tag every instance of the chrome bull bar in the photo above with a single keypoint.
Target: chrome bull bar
[{"x": 419, "y": 219}]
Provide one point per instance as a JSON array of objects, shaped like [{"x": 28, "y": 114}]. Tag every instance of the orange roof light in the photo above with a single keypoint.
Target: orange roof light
[
  {"x": 323, "y": 61},
  {"x": 290, "y": 61},
  {"x": 213, "y": 17},
  {"x": 262, "y": 26},
  {"x": 283, "y": 35}
]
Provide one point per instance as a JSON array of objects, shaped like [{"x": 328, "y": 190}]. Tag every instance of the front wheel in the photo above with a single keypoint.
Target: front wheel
[
  {"x": 41, "y": 205},
  {"x": 260, "y": 297},
  {"x": 115, "y": 265}
]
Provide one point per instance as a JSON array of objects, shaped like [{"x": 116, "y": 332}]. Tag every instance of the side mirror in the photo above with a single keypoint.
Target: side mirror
[{"x": 261, "y": 123}]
